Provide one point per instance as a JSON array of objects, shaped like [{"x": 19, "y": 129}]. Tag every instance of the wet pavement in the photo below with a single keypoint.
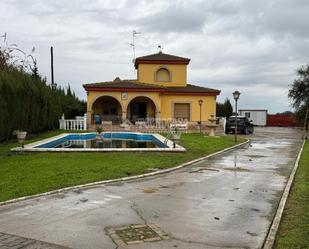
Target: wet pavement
[
  {"x": 9, "y": 241},
  {"x": 227, "y": 201}
]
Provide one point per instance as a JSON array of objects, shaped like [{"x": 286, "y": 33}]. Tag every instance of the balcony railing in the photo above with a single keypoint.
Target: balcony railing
[{"x": 79, "y": 123}]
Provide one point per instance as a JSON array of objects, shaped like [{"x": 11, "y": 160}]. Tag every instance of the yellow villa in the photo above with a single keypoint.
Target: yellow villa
[{"x": 160, "y": 92}]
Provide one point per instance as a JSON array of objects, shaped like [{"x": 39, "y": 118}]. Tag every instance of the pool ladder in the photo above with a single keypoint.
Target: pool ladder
[{"x": 168, "y": 137}]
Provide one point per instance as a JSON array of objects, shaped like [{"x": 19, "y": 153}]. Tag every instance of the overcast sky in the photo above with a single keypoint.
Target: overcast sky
[{"x": 251, "y": 46}]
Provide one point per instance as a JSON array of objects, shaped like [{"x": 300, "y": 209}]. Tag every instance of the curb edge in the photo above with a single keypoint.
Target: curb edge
[{"x": 272, "y": 232}]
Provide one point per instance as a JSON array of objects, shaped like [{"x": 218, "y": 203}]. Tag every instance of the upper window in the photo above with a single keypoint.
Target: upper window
[{"x": 163, "y": 75}]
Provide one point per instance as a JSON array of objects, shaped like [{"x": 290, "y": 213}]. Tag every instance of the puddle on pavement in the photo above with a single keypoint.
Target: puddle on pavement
[
  {"x": 59, "y": 196},
  {"x": 255, "y": 156},
  {"x": 202, "y": 170},
  {"x": 270, "y": 146},
  {"x": 77, "y": 191},
  {"x": 83, "y": 200},
  {"x": 255, "y": 209},
  {"x": 238, "y": 169},
  {"x": 172, "y": 185},
  {"x": 252, "y": 234}
]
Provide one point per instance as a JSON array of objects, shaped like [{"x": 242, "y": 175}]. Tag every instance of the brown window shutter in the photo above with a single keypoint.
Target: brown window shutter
[{"x": 182, "y": 111}]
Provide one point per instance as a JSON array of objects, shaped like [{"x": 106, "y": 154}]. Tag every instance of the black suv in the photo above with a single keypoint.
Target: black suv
[{"x": 243, "y": 125}]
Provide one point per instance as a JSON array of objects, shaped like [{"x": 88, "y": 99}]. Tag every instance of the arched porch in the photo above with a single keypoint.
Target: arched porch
[
  {"x": 141, "y": 108},
  {"x": 106, "y": 108}
]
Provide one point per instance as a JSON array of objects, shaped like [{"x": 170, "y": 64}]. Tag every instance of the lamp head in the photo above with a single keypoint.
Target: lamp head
[
  {"x": 200, "y": 102},
  {"x": 236, "y": 95}
]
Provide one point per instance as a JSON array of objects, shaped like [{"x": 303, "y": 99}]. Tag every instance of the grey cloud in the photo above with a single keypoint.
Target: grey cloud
[
  {"x": 277, "y": 18},
  {"x": 252, "y": 46},
  {"x": 177, "y": 17}
]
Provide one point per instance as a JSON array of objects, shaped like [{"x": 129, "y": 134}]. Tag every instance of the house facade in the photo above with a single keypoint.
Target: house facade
[{"x": 160, "y": 92}]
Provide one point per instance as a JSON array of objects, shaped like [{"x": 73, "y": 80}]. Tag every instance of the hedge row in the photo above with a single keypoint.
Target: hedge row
[{"x": 28, "y": 103}]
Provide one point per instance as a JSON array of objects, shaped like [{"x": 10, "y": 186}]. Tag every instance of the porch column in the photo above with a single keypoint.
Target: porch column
[
  {"x": 124, "y": 116},
  {"x": 158, "y": 116},
  {"x": 89, "y": 114}
]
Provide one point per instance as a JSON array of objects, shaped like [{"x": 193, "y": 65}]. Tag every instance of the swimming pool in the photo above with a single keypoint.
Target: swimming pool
[{"x": 108, "y": 141}]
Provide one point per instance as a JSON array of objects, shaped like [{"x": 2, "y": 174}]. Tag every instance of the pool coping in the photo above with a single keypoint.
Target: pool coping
[
  {"x": 122, "y": 179},
  {"x": 31, "y": 147}
]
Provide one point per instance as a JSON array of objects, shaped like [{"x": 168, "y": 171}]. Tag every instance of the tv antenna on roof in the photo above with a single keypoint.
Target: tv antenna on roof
[{"x": 134, "y": 34}]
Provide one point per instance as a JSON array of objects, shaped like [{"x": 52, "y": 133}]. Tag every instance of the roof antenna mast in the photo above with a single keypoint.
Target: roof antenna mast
[{"x": 134, "y": 34}]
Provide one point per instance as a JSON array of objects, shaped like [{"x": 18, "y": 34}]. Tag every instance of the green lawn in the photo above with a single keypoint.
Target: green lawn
[
  {"x": 27, "y": 174},
  {"x": 294, "y": 227}
]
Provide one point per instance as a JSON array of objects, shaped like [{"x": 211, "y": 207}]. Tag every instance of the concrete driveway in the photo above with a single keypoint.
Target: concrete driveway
[{"x": 227, "y": 201}]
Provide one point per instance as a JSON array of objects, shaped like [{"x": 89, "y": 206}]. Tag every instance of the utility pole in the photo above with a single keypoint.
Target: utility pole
[{"x": 52, "y": 66}]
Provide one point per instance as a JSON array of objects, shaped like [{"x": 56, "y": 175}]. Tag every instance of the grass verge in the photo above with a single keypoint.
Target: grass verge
[
  {"x": 28, "y": 174},
  {"x": 294, "y": 227}
]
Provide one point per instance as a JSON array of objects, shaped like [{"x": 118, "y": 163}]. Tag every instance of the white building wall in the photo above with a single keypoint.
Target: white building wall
[{"x": 258, "y": 117}]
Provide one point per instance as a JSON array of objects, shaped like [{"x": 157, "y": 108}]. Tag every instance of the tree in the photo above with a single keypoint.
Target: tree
[
  {"x": 224, "y": 109},
  {"x": 299, "y": 92},
  {"x": 26, "y": 101},
  {"x": 69, "y": 92},
  {"x": 285, "y": 113}
]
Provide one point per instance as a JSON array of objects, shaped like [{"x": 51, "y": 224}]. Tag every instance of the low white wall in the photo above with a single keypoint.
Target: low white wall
[{"x": 79, "y": 123}]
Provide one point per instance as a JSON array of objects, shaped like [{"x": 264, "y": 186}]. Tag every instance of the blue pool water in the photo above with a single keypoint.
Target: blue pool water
[{"x": 107, "y": 140}]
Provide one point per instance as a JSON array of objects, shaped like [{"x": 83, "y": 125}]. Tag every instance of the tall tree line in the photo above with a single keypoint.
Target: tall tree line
[
  {"x": 28, "y": 103},
  {"x": 224, "y": 109}
]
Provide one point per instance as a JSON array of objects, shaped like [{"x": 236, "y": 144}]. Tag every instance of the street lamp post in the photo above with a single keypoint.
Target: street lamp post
[
  {"x": 236, "y": 95},
  {"x": 200, "y": 102}
]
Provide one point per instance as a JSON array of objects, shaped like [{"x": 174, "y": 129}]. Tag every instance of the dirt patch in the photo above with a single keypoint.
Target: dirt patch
[{"x": 149, "y": 190}]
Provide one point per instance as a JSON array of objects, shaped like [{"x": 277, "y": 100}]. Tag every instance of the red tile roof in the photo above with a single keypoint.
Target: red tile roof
[
  {"x": 133, "y": 85},
  {"x": 161, "y": 58},
  {"x": 122, "y": 84}
]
